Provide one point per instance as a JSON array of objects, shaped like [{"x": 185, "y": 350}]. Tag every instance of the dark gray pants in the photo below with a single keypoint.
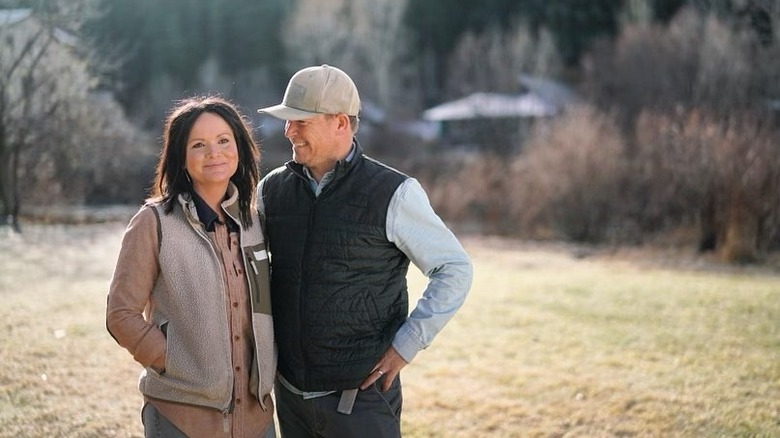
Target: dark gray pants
[{"x": 376, "y": 414}]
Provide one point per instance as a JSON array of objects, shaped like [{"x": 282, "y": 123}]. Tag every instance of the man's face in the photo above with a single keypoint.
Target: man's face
[{"x": 314, "y": 141}]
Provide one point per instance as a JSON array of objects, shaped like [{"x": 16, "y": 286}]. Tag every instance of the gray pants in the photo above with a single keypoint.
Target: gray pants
[
  {"x": 376, "y": 414},
  {"x": 157, "y": 426}
]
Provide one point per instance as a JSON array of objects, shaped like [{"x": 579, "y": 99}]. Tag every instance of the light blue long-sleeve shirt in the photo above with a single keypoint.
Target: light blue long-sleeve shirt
[
  {"x": 420, "y": 234},
  {"x": 414, "y": 227}
]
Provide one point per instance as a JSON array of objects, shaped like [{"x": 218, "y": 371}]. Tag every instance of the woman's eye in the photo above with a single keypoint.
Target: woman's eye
[{"x": 196, "y": 145}]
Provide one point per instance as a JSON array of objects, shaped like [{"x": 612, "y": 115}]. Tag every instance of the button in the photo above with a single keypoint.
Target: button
[
  {"x": 235, "y": 304},
  {"x": 236, "y": 337},
  {"x": 238, "y": 368},
  {"x": 238, "y": 401}
]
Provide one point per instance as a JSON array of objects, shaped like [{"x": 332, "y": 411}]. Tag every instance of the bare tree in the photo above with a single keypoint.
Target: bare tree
[
  {"x": 379, "y": 38},
  {"x": 363, "y": 37},
  {"x": 493, "y": 59},
  {"x": 317, "y": 33},
  {"x": 41, "y": 82}
]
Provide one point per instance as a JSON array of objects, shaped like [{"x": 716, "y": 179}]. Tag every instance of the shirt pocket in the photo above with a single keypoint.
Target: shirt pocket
[{"x": 258, "y": 275}]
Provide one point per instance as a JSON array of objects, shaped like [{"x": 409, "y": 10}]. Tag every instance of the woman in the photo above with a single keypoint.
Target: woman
[{"x": 189, "y": 298}]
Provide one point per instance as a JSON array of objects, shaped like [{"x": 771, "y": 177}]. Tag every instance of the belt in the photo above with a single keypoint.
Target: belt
[{"x": 347, "y": 401}]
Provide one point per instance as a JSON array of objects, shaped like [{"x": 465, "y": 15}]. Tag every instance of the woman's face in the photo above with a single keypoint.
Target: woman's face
[{"x": 212, "y": 153}]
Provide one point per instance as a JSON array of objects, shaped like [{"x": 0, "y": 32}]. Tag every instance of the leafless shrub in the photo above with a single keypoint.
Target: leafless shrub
[
  {"x": 95, "y": 156},
  {"x": 692, "y": 99},
  {"x": 722, "y": 175},
  {"x": 568, "y": 180},
  {"x": 673, "y": 169},
  {"x": 467, "y": 189}
]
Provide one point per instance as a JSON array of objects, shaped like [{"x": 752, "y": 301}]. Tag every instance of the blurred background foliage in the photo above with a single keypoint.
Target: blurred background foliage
[{"x": 673, "y": 139}]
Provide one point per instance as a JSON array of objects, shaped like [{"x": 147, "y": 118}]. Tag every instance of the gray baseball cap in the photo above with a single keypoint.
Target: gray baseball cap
[{"x": 316, "y": 90}]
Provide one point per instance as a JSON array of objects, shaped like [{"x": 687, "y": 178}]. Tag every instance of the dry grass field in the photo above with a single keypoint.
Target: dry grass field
[{"x": 553, "y": 341}]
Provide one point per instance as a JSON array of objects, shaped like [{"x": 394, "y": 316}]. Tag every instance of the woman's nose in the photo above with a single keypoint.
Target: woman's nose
[{"x": 213, "y": 149}]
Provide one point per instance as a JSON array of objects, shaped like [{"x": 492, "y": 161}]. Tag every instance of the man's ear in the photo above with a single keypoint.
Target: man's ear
[{"x": 343, "y": 125}]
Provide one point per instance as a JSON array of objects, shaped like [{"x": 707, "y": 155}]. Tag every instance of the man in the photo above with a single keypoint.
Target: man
[{"x": 342, "y": 229}]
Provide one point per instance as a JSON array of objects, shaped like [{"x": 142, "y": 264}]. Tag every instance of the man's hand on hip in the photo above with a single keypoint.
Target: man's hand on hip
[{"x": 389, "y": 366}]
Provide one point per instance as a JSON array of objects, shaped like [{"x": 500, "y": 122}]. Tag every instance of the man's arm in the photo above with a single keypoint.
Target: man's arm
[{"x": 419, "y": 232}]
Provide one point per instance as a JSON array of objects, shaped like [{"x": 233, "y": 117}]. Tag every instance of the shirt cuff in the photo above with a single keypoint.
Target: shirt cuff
[{"x": 407, "y": 343}]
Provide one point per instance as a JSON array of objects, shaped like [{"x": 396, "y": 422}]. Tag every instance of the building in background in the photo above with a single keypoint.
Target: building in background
[{"x": 499, "y": 122}]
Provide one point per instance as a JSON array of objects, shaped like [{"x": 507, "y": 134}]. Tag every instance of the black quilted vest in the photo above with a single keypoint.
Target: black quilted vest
[{"x": 338, "y": 286}]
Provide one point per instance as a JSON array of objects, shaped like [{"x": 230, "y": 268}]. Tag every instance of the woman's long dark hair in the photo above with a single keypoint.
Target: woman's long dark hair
[{"x": 170, "y": 177}]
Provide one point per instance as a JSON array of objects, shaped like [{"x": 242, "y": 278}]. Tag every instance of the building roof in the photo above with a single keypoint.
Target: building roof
[
  {"x": 491, "y": 105},
  {"x": 13, "y": 16},
  {"x": 550, "y": 90},
  {"x": 541, "y": 97}
]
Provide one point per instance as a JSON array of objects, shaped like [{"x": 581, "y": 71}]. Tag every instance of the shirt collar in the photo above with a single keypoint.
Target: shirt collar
[
  {"x": 351, "y": 153},
  {"x": 317, "y": 187},
  {"x": 206, "y": 215}
]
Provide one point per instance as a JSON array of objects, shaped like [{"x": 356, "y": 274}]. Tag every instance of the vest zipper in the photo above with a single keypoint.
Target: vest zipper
[
  {"x": 304, "y": 288},
  {"x": 225, "y": 421}
]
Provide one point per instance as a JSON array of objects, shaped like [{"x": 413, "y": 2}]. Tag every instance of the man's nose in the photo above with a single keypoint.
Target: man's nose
[{"x": 289, "y": 128}]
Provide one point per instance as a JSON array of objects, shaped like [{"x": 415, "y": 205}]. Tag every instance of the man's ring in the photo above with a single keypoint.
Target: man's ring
[{"x": 380, "y": 372}]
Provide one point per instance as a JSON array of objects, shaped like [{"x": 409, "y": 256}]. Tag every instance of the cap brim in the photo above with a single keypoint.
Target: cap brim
[{"x": 286, "y": 113}]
